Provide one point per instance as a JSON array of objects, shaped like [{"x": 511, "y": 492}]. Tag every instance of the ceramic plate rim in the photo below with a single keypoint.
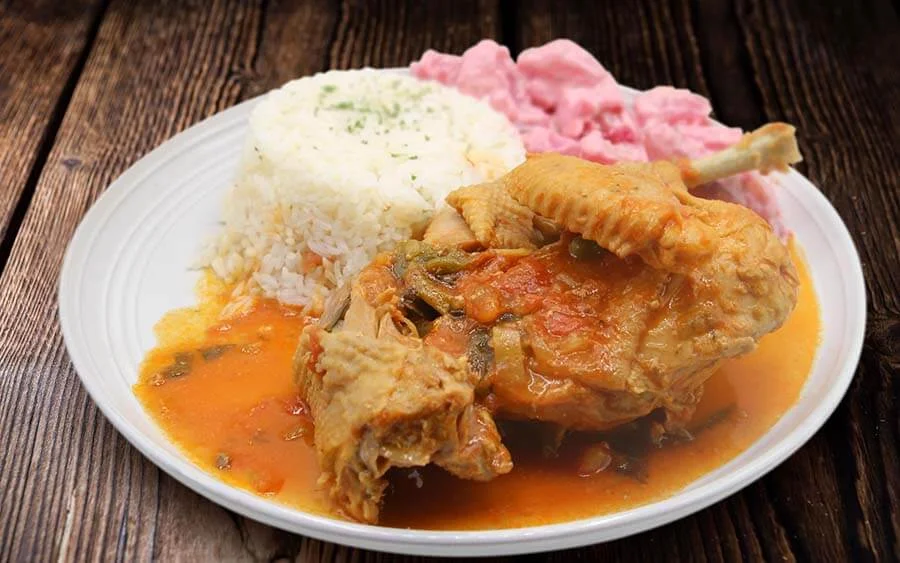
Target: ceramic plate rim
[{"x": 459, "y": 543}]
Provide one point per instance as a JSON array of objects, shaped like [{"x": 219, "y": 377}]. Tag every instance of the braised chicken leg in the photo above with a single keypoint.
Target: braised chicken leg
[
  {"x": 689, "y": 282},
  {"x": 670, "y": 285}
]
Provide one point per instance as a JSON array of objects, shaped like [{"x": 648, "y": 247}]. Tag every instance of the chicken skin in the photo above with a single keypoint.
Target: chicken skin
[{"x": 496, "y": 219}]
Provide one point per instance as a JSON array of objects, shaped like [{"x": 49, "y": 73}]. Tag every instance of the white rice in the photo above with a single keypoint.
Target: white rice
[{"x": 344, "y": 164}]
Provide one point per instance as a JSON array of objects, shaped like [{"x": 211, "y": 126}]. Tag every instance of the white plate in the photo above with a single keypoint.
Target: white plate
[{"x": 129, "y": 260}]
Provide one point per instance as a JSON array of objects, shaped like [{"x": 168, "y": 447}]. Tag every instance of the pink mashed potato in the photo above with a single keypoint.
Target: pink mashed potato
[{"x": 563, "y": 100}]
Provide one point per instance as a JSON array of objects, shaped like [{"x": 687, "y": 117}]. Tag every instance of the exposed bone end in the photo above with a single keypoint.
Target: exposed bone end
[
  {"x": 771, "y": 147},
  {"x": 776, "y": 146}
]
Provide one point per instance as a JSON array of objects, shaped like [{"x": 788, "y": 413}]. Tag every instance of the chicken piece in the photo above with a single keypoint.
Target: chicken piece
[
  {"x": 448, "y": 230},
  {"x": 497, "y": 220},
  {"x": 686, "y": 283},
  {"x": 381, "y": 399}
]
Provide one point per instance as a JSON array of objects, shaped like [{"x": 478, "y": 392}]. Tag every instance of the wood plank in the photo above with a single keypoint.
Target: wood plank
[{"x": 43, "y": 45}]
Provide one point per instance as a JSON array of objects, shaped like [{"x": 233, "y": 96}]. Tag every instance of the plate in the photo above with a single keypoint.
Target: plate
[{"x": 130, "y": 261}]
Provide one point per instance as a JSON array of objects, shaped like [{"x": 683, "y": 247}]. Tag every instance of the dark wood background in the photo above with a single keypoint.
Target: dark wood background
[{"x": 89, "y": 86}]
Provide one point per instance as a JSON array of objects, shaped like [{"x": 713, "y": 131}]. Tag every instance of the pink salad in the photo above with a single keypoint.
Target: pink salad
[{"x": 563, "y": 100}]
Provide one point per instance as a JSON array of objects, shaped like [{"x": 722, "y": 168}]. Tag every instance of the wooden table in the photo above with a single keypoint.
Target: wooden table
[{"x": 88, "y": 86}]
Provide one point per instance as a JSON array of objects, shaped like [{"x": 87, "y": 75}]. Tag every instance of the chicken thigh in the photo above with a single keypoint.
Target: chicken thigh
[
  {"x": 656, "y": 288},
  {"x": 381, "y": 399}
]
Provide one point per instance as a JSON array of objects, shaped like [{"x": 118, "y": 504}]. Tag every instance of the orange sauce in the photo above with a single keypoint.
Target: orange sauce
[{"x": 236, "y": 414}]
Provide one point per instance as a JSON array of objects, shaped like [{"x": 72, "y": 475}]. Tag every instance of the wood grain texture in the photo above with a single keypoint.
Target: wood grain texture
[
  {"x": 71, "y": 488},
  {"x": 43, "y": 46}
]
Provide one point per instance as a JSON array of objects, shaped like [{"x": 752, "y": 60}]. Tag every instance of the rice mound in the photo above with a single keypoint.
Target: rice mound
[{"x": 342, "y": 165}]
